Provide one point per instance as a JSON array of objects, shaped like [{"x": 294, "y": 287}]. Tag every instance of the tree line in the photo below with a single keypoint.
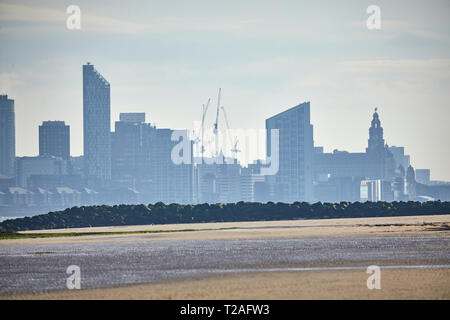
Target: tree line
[{"x": 160, "y": 213}]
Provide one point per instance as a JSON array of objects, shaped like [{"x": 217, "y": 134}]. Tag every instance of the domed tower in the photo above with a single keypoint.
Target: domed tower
[
  {"x": 410, "y": 183},
  {"x": 379, "y": 164},
  {"x": 376, "y": 141}
]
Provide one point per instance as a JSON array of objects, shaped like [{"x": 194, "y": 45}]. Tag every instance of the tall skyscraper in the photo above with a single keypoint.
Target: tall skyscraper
[
  {"x": 294, "y": 180},
  {"x": 54, "y": 139},
  {"x": 96, "y": 125},
  {"x": 7, "y": 136}
]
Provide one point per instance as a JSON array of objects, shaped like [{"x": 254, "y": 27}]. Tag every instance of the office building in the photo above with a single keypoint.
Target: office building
[
  {"x": 126, "y": 149},
  {"x": 96, "y": 126},
  {"x": 294, "y": 179},
  {"x": 54, "y": 139},
  {"x": 141, "y": 162},
  {"x": 163, "y": 180},
  {"x": 7, "y": 136}
]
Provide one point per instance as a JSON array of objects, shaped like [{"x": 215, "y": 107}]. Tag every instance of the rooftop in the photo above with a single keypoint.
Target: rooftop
[{"x": 297, "y": 107}]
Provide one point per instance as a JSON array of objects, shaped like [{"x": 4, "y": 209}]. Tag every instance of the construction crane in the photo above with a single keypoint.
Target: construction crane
[
  {"x": 216, "y": 124},
  {"x": 199, "y": 136},
  {"x": 234, "y": 143},
  {"x": 204, "y": 110}
]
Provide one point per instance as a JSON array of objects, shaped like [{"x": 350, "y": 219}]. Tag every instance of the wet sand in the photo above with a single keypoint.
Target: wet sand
[
  {"x": 395, "y": 284},
  {"x": 402, "y": 283}
]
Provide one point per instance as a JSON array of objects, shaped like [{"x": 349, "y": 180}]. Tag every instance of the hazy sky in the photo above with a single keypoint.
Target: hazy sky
[{"x": 166, "y": 58}]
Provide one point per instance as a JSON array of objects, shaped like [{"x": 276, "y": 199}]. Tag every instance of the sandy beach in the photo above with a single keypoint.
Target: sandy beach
[
  {"x": 431, "y": 225},
  {"x": 411, "y": 280},
  {"x": 395, "y": 284}
]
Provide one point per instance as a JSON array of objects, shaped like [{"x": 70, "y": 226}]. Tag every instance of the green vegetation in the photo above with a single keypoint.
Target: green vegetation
[{"x": 160, "y": 213}]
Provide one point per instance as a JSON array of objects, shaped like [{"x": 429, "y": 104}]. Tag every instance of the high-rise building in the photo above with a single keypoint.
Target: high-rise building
[
  {"x": 294, "y": 179},
  {"x": 162, "y": 179},
  {"x": 126, "y": 149},
  {"x": 54, "y": 139},
  {"x": 141, "y": 161},
  {"x": 7, "y": 136},
  {"x": 96, "y": 125}
]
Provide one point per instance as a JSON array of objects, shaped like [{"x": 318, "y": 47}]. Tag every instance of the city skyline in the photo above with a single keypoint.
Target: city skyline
[
  {"x": 166, "y": 60},
  {"x": 88, "y": 68},
  {"x": 225, "y": 150},
  {"x": 139, "y": 162}
]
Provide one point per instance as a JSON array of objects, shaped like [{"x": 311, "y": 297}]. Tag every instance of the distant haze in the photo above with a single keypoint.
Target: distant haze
[{"x": 166, "y": 58}]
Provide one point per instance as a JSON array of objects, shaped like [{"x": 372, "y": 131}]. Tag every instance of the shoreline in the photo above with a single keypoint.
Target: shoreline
[
  {"x": 281, "y": 229},
  {"x": 401, "y": 279},
  {"x": 297, "y": 222}
]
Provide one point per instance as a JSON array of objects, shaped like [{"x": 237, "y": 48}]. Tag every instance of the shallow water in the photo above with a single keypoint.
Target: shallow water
[{"x": 42, "y": 267}]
